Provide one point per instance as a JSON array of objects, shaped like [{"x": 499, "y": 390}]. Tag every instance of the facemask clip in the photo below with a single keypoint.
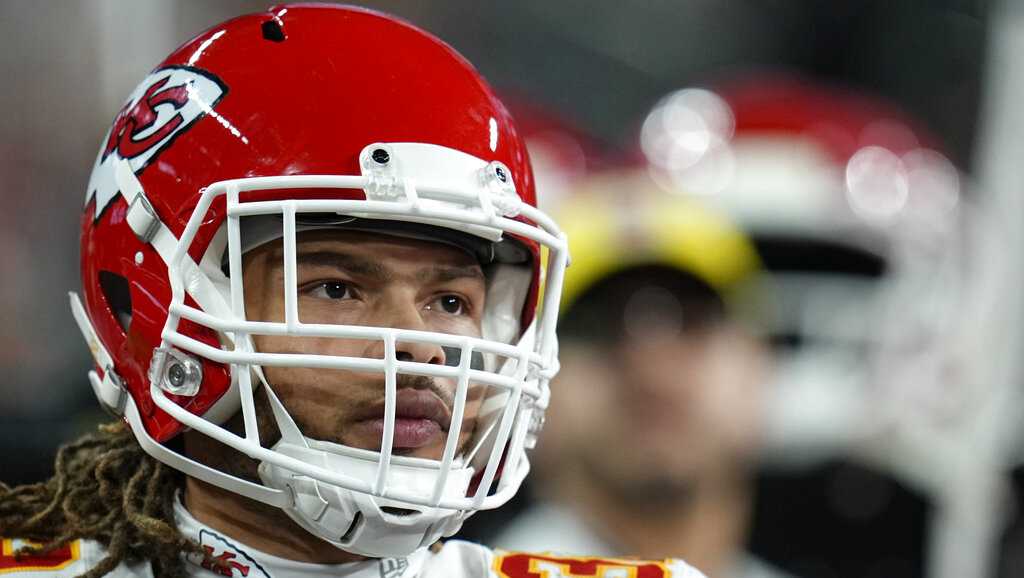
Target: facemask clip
[
  {"x": 497, "y": 181},
  {"x": 175, "y": 372},
  {"x": 381, "y": 171}
]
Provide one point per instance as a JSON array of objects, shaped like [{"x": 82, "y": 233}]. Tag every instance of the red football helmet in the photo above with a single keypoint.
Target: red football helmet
[
  {"x": 856, "y": 216},
  {"x": 890, "y": 277},
  {"x": 306, "y": 117}
]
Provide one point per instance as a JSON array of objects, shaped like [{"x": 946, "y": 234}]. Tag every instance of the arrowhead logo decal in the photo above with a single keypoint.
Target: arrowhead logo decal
[
  {"x": 165, "y": 105},
  {"x": 225, "y": 559}
]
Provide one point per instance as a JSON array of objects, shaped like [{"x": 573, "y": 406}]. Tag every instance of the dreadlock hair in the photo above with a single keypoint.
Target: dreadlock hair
[{"x": 105, "y": 488}]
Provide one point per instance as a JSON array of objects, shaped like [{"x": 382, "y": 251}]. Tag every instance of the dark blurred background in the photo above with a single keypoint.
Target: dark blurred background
[{"x": 600, "y": 64}]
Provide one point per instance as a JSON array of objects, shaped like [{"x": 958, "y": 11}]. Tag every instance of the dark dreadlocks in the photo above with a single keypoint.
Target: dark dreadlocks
[{"x": 107, "y": 489}]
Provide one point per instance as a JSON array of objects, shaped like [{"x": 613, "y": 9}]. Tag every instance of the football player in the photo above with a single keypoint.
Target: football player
[{"x": 321, "y": 302}]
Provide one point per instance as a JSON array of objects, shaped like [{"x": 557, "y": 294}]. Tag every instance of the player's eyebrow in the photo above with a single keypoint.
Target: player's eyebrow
[
  {"x": 363, "y": 267},
  {"x": 343, "y": 261}
]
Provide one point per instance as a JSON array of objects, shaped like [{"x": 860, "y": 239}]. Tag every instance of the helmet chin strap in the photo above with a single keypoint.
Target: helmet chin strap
[{"x": 359, "y": 522}]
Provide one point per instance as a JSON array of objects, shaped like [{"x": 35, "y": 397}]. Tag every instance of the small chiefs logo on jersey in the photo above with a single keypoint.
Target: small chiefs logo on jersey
[
  {"x": 167, "y": 103},
  {"x": 225, "y": 559}
]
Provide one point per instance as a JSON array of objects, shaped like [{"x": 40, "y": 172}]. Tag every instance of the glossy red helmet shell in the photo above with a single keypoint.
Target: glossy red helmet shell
[{"x": 300, "y": 90}]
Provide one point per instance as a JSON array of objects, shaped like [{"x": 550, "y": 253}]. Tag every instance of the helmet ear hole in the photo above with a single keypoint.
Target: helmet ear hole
[{"x": 118, "y": 296}]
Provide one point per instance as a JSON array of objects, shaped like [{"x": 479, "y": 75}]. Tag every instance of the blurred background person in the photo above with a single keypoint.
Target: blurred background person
[
  {"x": 657, "y": 413},
  {"x": 859, "y": 220}
]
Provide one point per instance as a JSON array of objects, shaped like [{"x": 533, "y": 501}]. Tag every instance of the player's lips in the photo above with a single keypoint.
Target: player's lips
[{"x": 420, "y": 419}]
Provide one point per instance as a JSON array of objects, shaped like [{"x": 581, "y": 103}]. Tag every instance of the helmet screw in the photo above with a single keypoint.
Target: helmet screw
[
  {"x": 380, "y": 156},
  {"x": 176, "y": 374},
  {"x": 500, "y": 173}
]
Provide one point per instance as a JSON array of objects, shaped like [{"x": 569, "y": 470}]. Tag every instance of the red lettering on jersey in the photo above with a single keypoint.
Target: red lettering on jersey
[
  {"x": 522, "y": 565},
  {"x": 55, "y": 560},
  {"x": 223, "y": 564},
  {"x": 134, "y": 120}
]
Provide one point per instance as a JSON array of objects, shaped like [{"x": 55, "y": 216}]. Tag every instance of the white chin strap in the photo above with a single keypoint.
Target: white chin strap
[{"x": 355, "y": 521}]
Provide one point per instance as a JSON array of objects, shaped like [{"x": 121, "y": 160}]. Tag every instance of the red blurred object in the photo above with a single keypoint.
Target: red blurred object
[{"x": 841, "y": 120}]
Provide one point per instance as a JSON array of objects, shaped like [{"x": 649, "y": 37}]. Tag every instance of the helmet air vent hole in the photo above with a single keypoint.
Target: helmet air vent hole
[
  {"x": 119, "y": 299},
  {"x": 272, "y": 31},
  {"x": 357, "y": 521}
]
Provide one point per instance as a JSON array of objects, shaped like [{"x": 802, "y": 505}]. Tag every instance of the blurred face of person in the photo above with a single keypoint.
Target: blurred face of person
[
  {"x": 672, "y": 398},
  {"x": 357, "y": 278}
]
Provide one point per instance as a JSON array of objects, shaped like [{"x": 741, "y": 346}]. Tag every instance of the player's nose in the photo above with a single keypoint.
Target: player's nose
[{"x": 404, "y": 314}]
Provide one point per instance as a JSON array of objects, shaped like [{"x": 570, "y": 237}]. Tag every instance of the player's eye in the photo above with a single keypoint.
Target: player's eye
[
  {"x": 451, "y": 304},
  {"x": 331, "y": 290}
]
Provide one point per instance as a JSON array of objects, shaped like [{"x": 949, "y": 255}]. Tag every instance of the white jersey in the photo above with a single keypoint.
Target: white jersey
[{"x": 455, "y": 559}]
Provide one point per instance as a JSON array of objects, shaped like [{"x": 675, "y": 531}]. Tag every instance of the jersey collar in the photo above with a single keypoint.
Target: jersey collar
[{"x": 247, "y": 562}]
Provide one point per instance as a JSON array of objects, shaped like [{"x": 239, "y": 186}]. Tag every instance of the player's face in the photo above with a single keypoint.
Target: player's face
[{"x": 356, "y": 278}]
